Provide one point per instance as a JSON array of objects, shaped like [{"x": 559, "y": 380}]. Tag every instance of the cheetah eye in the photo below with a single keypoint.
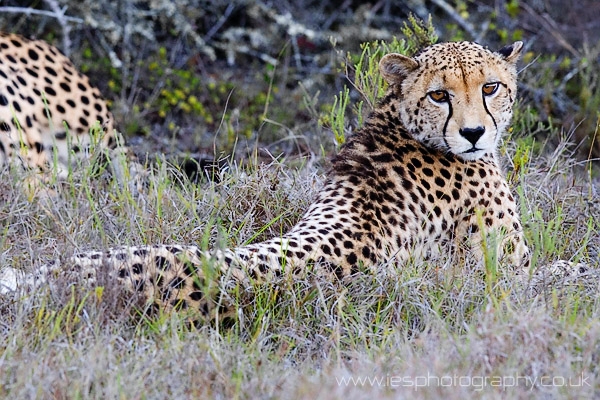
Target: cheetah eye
[
  {"x": 439, "y": 96},
  {"x": 489, "y": 88}
]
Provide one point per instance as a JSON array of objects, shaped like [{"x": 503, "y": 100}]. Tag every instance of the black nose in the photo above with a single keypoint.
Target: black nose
[{"x": 472, "y": 134}]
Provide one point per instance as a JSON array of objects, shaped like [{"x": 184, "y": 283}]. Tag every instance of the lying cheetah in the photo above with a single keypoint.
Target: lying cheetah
[
  {"x": 421, "y": 176},
  {"x": 47, "y": 109}
]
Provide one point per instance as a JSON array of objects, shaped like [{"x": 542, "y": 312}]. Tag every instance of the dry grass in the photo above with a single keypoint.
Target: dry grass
[{"x": 433, "y": 325}]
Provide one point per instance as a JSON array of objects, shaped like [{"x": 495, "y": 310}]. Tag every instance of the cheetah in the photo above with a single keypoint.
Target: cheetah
[
  {"x": 47, "y": 109},
  {"x": 420, "y": 177}
]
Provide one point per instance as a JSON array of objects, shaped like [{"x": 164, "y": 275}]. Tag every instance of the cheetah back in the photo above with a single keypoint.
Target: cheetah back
[{"x": 46, "y": 105}]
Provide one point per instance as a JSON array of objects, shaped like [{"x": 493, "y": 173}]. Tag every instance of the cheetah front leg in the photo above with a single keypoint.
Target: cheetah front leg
[
  {"x": 500, "y": 233},
  {"x": 482, "y": 231}
]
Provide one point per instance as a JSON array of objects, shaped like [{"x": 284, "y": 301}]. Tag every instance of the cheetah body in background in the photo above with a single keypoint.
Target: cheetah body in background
[
  {"x": 47, "y": 108},
  {"x": 420, "y": 177}
]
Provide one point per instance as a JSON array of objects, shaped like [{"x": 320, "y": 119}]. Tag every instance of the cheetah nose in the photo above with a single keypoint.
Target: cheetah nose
[{"x": 472, "y": 134}]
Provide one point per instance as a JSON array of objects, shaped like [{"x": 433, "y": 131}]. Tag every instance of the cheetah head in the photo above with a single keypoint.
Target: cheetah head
[{"x": 456, "y": 96}]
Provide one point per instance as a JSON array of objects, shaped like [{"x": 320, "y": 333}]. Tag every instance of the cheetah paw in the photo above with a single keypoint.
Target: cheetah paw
[
  {"x": 562, "y": 270},
  {"x": 560, "y": 273}
]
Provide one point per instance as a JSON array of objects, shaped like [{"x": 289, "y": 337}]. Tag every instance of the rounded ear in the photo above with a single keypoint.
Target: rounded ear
[
  {"x": 511, "y": 52},
  {"x": 395, "y": 67}
]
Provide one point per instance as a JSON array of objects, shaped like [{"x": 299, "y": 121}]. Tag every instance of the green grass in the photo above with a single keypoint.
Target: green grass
[{"x": 295, "y": 338}]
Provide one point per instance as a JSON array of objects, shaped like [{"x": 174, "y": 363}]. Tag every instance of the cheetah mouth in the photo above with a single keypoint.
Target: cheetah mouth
[{"x": 472, "y": 150}]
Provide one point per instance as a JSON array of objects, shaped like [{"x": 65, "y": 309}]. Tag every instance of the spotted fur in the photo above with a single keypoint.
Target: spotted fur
[
  {"x": 47, "y": 108},
  {"x": 420, "y": 177}
]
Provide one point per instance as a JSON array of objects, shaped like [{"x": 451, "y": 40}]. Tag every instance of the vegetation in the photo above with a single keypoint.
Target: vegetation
[{"x": 418, "y": 330}]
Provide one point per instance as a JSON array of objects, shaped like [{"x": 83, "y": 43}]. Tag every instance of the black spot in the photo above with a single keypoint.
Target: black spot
[
  {"x": 179, "y": 304},
  {"x": 50, "y": 71},
  {"x": 366, "y": 252},
  {"x": 196, "y": 295},
  {"x": 473, "y": 229},
  {"x": 162, "y": 263},
  {"x": 263, "y": 268},
  {"x": 177, "y": 282},
  {"x": 32, "y": 72},
  {"x": 398, "y": 170},
  {"x": 173, "y": 249},
  {"x": 416, "y": 162},
  {"x": 428, "y": 159},
  {"x": 3, "y": 100},
  {"x": 428, "y": 172},
  {"x": 351, "y": 258},
  {"x": 139, "y": 285},
  {"x": 32, "y": 54},
  {"x": 137, "y": 252},
  {"x": 189, "y": 268},
  {"x": 137, "y": 268}
]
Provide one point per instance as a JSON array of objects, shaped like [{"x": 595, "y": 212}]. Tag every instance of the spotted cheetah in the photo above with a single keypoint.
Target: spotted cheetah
[
  {"x": 420, "y": 177},
  {"x": 47, "y": 109}
]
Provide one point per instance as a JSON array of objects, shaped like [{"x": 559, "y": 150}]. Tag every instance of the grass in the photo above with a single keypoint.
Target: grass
[
  {"x": 422, "y": 330},
  {"x": 437, "y": 324}
]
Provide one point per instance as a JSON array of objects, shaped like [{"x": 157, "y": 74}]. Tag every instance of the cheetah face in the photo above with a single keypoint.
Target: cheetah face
[{"x": 456, "y": 97}]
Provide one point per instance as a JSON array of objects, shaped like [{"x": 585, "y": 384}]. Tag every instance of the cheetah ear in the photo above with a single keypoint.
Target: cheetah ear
[
  {"x": 395, "y": 67},
  {"x": 511, "y": 52}
]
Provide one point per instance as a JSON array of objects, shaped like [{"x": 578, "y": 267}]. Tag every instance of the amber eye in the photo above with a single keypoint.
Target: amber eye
[
  {"x": 489, "y": 88},
  {"x": 439, "y": 96}
]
